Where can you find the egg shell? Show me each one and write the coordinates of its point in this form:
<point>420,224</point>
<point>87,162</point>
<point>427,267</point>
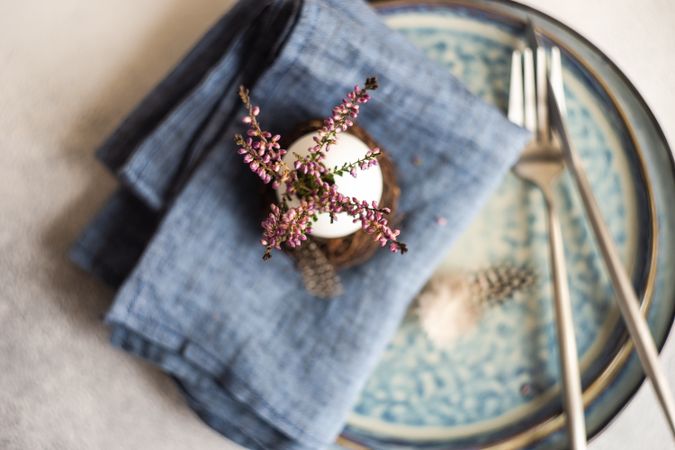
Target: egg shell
<point>367,185</point>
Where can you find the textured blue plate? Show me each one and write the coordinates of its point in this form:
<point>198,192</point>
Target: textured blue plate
<point>498,385</point>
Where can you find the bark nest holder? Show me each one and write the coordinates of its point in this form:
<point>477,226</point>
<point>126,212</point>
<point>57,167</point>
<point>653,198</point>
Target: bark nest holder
<point>358,247</point>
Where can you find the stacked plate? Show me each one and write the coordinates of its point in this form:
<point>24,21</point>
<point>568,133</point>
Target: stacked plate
<point>497,386</point>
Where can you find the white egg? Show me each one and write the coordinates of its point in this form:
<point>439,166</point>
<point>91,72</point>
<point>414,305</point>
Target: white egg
<point>367,185</point>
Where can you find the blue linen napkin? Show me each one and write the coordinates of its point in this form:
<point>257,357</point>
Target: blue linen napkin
<point>259,359</point>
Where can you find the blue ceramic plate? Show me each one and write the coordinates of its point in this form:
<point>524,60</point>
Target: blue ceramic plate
<point>498,385</point>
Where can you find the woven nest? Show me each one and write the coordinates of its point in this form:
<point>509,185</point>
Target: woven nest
<point>359,246</point>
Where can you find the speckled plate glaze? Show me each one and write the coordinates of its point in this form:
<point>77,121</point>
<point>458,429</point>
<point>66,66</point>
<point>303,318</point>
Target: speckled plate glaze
<point>497,387</point>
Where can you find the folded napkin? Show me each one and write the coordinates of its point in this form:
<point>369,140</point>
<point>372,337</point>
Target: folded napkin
<point>259,359</point>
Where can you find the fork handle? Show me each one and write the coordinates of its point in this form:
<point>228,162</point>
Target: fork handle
<point>569,362</point>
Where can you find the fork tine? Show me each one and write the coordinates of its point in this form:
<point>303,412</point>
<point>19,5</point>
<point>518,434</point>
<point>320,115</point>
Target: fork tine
<point>530,99</point>
<point>542,91</point>
<point>557,80</point>
<point>516,89</point>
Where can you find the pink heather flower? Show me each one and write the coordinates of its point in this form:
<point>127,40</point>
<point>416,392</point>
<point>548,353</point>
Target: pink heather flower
<point>310,180</point>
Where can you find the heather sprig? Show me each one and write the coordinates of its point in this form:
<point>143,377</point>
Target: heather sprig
<point>260,149</point>
<point>289,227</point>
<point>370,160</point>
<point>310,181</point>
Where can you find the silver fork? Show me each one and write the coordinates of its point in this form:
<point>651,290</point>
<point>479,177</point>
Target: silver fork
<point>541,164</point>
